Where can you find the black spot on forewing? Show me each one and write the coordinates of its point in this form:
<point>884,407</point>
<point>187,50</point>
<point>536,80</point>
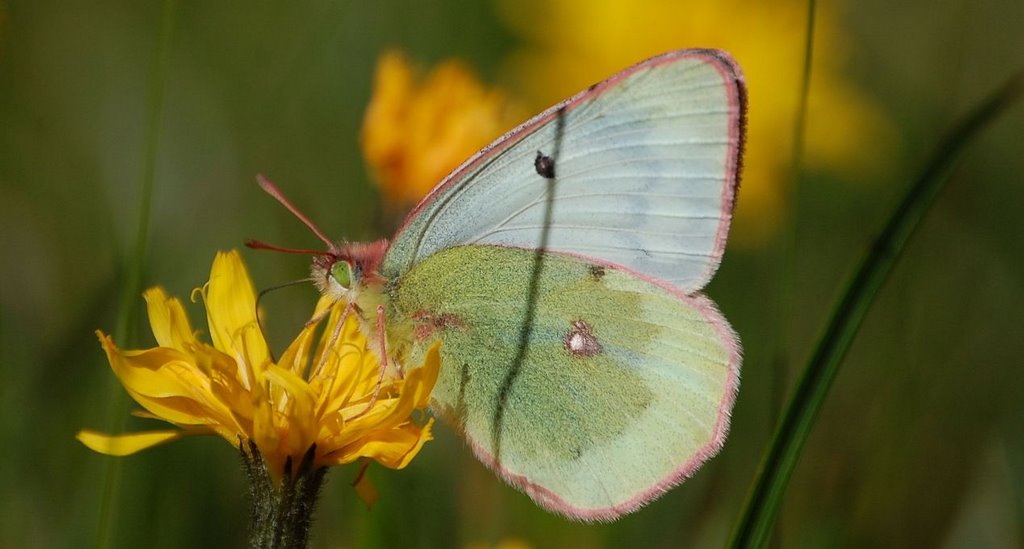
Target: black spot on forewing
<point>597,272</point>
<point>545,165</point>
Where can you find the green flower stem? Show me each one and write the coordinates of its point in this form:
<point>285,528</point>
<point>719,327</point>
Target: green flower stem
<point>131,283</point>
<point>755,524</point>
<point>281,515</point>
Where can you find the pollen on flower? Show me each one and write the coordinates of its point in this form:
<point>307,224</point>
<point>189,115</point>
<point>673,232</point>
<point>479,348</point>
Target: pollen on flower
<point>416,130</point>
<point>318,394</point>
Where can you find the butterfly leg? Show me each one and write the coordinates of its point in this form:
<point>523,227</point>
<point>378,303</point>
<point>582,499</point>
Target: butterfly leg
<point>383,354</point>
<point>320,316</point>
<point>381,333</point>
<point>334,336</point>
<point>383,362</point>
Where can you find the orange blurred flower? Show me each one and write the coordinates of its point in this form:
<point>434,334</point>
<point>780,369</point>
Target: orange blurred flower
<point>416,130</point>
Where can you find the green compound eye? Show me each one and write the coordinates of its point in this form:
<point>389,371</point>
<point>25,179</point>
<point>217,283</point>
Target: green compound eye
<point>342,273</point>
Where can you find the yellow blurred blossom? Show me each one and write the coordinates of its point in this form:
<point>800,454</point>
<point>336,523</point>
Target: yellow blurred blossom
<point>574,43</point>
<point>416,130</point>
<point>327,394</point>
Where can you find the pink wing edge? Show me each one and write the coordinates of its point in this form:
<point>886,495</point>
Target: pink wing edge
<point>733,78</point>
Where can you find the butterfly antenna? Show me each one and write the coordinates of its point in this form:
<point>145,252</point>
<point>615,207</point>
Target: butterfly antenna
<point>273,191</point>
<point>260,245</point>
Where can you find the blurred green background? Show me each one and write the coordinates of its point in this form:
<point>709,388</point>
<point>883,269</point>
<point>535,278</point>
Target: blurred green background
<point>920,443</point>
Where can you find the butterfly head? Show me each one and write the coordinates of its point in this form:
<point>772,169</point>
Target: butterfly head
<point>347,267</point>
<point>341,270</point>
<point>333,275</point>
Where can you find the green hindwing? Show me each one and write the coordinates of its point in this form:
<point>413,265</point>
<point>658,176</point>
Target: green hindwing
<point>594,395</point>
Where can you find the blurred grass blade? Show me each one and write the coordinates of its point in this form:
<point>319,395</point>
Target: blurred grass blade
<point>131,288</point>
<point>780,354</point>
<point>777,464</point>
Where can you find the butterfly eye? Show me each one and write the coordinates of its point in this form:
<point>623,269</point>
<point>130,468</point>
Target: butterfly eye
<point>342,273</point>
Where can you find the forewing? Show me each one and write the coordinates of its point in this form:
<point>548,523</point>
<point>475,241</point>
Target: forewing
<point>588,387</point>
<point>645,169</point>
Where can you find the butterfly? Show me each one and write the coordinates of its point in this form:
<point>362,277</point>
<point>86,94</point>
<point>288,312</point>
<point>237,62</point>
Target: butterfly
<point>561,268</point>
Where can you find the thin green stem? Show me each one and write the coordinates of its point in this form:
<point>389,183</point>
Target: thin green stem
<point>788,233</point>
<point>782,355</point>
<point>755,524</point>
<point>128,303</point>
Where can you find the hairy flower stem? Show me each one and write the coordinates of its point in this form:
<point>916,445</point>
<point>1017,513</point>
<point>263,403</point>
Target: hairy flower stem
<point>281,515</point>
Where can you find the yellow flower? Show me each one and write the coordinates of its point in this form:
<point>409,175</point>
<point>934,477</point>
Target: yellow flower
<point>573,43</point>
<point>416,131</point>
<point>234,388</point>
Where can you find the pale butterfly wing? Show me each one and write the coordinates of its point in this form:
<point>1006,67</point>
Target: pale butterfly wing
<point>646,167</point>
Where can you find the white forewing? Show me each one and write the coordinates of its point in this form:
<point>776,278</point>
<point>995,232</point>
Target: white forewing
<point>645,172</point>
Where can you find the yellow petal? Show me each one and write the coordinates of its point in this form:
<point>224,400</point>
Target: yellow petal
<point>158,372</point>
<point>296,389</point>
<point>225,386</point>
<point>168,320</point>
<point>392,448</point>
<point>347,377</point>
<point>295,403</point>
<point>164,382</point>
<point>128,444</point>
<point>231,313</point>
<point>425,435</point>
<point>415,394</point>
<point>426,376</point>
<point>388,412</point>
<point>296,357</point>
<point>264,429</point>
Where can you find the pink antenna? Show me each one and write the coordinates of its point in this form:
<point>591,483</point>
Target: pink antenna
<point>273,191</point>
<point>261,245</point>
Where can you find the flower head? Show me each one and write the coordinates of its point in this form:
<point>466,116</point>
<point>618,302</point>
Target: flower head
<point>417,130</point>
<point>326,392</point>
